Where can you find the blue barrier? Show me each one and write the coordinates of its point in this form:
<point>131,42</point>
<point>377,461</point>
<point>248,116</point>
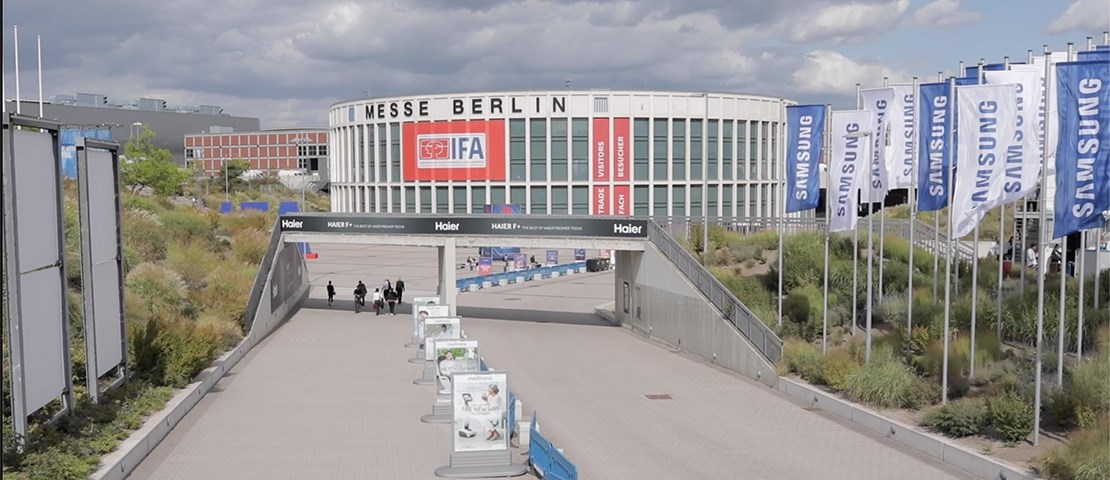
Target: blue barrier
<point>511,277</point>
<point>288,206</point>
<point>260,206</point>
<point>512,413</point>
<point>226,207</point>
<point>548,461</point>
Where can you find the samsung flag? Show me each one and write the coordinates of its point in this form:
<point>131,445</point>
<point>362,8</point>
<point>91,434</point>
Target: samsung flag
<point>850,155</point>
<point>1023,151</point>
<point>935,125</point>
<point>986,126</point>
<point>1098,54</point>
<point>1083,149</point>
<point>805,126</point>
<point>876,184</point>
<point>899,156</point>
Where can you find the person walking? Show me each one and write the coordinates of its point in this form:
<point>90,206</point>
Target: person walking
<point>400,288</point>
<point>391,299</point>
<point>331,293</point>
<point>1031,256</point>
<point>386,286</point>
<point>360,296</point>
<point>377,299</point>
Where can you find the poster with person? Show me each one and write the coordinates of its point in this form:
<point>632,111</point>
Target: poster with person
<point>552,257</point>
<point>485,266</point>
<point>418,302</point>
<point>453,356</point>
<point>480,411</point>
<point>424,312</point>
<point>440,328</point>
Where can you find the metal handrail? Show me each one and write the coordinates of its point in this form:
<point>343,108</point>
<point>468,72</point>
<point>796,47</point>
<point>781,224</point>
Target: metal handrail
<point>765,340</point>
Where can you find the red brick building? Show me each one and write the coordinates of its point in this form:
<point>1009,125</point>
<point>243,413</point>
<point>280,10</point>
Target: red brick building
<point>268,151</point>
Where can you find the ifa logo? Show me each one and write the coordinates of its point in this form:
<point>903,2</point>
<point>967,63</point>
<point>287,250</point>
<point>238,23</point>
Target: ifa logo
<point>454,150</point>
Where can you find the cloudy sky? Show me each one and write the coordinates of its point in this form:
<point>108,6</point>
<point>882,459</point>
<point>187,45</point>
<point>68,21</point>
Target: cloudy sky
<point>287,61</point>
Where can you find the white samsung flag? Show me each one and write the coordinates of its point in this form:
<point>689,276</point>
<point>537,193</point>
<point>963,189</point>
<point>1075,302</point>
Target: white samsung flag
<point>1048,126</point>
<point>877,101</point>
<point>900,152</point>
<point>986,126</point>
<point>851,150</point>
<point>1022,171</point>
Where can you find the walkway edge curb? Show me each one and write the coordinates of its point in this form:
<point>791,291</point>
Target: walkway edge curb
<point>133,450</point>
<point>929,444</point>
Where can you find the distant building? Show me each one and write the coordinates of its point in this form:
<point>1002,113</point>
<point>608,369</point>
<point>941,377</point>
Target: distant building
<point>269,151</point>
<point>170,124</point>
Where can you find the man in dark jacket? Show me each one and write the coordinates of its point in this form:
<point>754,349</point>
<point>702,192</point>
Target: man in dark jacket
<point>399,287</point>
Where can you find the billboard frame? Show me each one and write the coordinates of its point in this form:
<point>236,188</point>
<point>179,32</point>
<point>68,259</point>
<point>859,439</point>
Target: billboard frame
<point>16,348</point>
<point>88,285</point>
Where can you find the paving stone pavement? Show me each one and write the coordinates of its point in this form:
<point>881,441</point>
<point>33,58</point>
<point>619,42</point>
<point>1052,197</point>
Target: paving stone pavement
<point>329,395</point>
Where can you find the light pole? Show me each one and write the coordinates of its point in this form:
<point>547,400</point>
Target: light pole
<point>136,132</point>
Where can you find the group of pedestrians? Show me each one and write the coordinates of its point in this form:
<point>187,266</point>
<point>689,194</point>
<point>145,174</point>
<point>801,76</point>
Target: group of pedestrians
<point>388,294</point>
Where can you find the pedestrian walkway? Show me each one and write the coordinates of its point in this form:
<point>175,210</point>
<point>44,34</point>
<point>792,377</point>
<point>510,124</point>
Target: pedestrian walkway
<point>329,395</point>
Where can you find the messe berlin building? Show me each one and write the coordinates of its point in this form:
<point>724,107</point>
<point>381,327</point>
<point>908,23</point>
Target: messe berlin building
<point>577,152</point>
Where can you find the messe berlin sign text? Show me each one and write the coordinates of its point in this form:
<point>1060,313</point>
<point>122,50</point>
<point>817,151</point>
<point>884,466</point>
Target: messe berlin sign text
<point>473,225</point>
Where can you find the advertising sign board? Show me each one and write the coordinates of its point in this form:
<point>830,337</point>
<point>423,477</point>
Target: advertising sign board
<point>453,356</point>
<point>454,150</point>
<point>440,328</point>
<point>480,411</point>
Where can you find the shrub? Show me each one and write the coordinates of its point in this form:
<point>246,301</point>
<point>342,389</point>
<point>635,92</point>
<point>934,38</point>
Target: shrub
<point>838,367</point>
<point>1084,457</point>
<point>1090,383</point>
<point>961,418</point>
<point>185,351</point>
<point>803,359</point>
<point>143,234</point>
<point>766,240</point>
<point>193,260</point>
<point>161,290</point>
<point>249,220</point>
<point>1011,415</point>
<point>1061,407</point>
<point>184,226</point>
<point>885,382</point>
<point>226,291</point>
<point>250,246</point>
<point>226,330</point>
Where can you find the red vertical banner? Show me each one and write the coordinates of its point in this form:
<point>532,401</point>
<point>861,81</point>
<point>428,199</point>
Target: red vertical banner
<point>602,202</point>
<point>622,200</point>
<point>621,149</point>
<point>602,148</point>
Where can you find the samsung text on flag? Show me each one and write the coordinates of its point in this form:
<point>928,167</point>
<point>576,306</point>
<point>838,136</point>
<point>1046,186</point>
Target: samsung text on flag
<point>805,145</point>
<point>1087,145</point>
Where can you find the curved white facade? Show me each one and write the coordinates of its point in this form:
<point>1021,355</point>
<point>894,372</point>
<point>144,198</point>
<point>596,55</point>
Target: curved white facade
<point>559,152</point>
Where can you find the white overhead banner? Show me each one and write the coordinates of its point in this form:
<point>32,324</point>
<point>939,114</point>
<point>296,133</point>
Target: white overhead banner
<point>480,411</point>
<point>986,126</point>
<point>899,156</point>
<point>878,101</point>
<point>848,166</point>
<point>1023,150</point>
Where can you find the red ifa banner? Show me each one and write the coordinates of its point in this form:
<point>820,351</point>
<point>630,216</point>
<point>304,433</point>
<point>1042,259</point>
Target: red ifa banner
<point>621,147</point>
<point>602,144</point>
<point>454,150</point>
<point>602,204</point>
<point>622,200</point>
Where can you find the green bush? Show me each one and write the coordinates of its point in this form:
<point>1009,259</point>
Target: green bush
<point>1011,416</point>
<point>765,240</point>
<point>961,418</point>
<point>161,290</point>
<point>193,261</point>
<point>803,359</point>
<point>1090,383</point>
<point>144,235</point>
<point>838,368</point>
<point>1084,457</point>
<point>250,246</point>
<point>1061,407</point>
<point>185,225</point>
<point>227,288</point>
<point>185,351</point>
<point>886,382</point>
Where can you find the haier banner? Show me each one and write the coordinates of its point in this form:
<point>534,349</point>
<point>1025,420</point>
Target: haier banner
<point>848,166</point>
<point>805,125</point>
<point>622,147</point>
<point>602,142</point>
<point>985,127</point>
<point>449,225</point>
<point>935,125</point>
<point>455,150</point>
<point>1083,146</point>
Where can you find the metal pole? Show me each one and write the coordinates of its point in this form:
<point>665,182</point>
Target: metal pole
<point>828,186</point>
<point>912,197</point>
<point>855,275</point>
<point>38,43</point>
<point>881,143</point>
<point>1080,259</point>
<point>782,223</point>
<point>18,103</point>
<point>1041,271</point>
<point>948,257</point>
<point>974,304</point>
<point>870,244</point>
<point>1060,324</point>
<point>1001,257</point>
<point>936,251</point>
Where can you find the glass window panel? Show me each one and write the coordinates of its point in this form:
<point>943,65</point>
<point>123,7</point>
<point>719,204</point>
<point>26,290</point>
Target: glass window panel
<point>441,199</point>
<point>459,200</point>
<point>714,158</point>
<point>539,200</point>
<point>726,202</point>
<point>640,142</point>
<point>581,203</point>
<point>537,131</point>
<point>659,201</point>
<point>726,147</point>
<point>678,149</point>
<point>497,195</point>
<point>426,199</point>
<point>383,165</point>
<point>659,145</point>
<point>640,200</point>
<point>477,199</point>
<point>558,149</point>
<point>516,196</point>
<point>395,151</point>
<point>395,197</point>
<point>695,200</point>
<point>678,202</point>
<point>516,127</point>
<point>695,149</point>
<point>580,149</point>
<point>560,204</point>
<point>410,199</point>
<point>712,202</point>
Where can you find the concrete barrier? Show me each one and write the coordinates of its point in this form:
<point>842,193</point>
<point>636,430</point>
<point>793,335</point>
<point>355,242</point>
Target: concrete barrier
<point>935,446</point>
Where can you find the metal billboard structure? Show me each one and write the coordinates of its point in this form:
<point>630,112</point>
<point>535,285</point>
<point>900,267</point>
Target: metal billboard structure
<point>34,242</point>
<point>98,177</point>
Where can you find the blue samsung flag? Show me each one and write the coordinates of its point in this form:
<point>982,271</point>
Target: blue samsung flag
<point>970,72</point>
<point>934,124</point>
<point>1083,149</point>
<point>805,126</point>
<point>1098,55</point>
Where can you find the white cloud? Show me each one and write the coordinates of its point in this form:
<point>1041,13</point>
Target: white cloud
<point>944,13</point>
<point>828,72</point>
<point>848,22</point>
<point>1083,15</point>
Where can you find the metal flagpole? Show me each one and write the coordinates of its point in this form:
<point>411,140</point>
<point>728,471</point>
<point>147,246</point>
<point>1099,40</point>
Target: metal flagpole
<point>975,267</point>
<point>882,208</point>
<point>38,43</point>
<point>870,253</point>
<point>936,234</point>
<point>855,253</point>
<point>18,103</point>
<point>1001,250</point>
<point>1041,268</point>
<point>1063,285</point>
<point>1079,275</point>
<point>948,257</point>
<point>782,219</point>
<point>1024,207</point>
<point>912,197</point>
<point>828,188</point>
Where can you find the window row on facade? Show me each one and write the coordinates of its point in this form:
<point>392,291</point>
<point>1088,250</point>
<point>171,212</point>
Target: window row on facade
<point>558,150</point>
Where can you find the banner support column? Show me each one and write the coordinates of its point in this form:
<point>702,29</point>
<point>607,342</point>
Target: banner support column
<point>446,289</point>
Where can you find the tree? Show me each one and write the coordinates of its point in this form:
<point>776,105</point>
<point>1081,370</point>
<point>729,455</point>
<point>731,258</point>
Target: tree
<point>146,165</point>
<point>231,174</point>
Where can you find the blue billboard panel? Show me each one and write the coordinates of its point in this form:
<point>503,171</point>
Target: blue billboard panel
<point>67,140</point>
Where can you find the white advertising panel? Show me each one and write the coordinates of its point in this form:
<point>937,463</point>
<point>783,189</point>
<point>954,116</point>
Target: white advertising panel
<point>417,302</point>
<point>424,312</point>
<point>453,356</point>
<point>479,411</point>
<point>440,328</point>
